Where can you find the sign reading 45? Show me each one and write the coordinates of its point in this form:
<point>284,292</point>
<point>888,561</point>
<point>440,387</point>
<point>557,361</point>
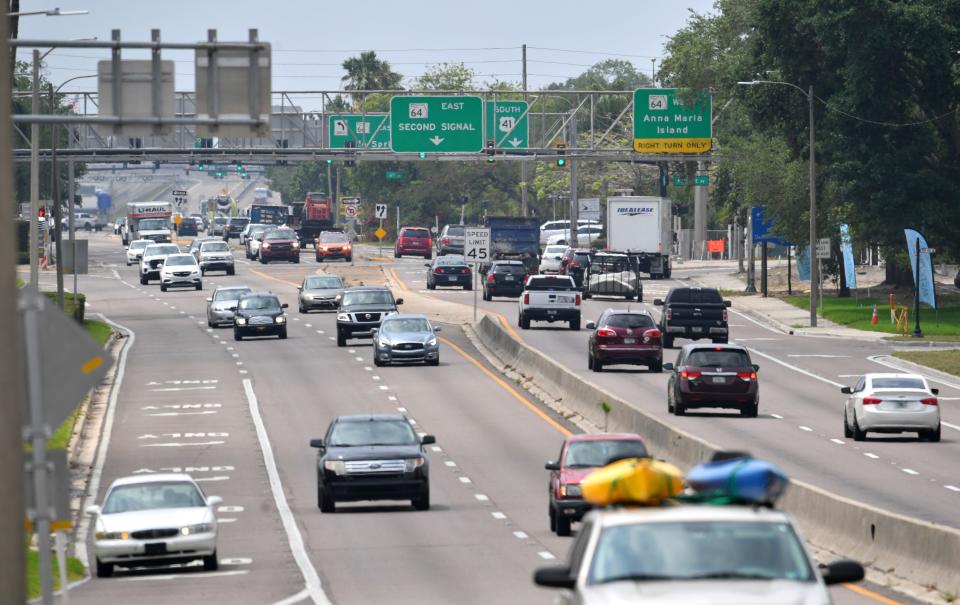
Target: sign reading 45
<point>476,245</point>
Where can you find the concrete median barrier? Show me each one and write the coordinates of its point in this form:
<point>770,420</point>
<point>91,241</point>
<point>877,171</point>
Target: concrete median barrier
<point>918,552</point>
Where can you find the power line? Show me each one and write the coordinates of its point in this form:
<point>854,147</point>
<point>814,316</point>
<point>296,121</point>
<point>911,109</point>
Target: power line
<point>591,52</point>
<point>882,123</point>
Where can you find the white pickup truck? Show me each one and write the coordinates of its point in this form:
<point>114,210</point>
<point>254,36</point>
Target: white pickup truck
<point>550,298</point>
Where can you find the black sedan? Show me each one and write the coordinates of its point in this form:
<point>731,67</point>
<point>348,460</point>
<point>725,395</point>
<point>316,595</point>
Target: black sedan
<point>449,270</point>
<point>259,314</point>
<point>372,457</point>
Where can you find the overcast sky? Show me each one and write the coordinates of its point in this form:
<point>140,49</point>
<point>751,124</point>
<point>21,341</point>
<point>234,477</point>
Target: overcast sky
<point>311,39</point>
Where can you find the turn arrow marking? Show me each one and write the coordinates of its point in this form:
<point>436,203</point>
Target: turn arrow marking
<point>436,140</point>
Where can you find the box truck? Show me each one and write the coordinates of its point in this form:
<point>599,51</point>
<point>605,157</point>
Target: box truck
<point>642,226</point>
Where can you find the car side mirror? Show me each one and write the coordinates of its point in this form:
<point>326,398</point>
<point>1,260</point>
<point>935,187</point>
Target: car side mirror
<point>755,367</point>
<point>427,265</point>
<point>209,300</point>
<point>214,500</point>
<point>846,390</point>
<point>284,306</point>
<point>92,510</point>
<point>126,247</point>
<point>318,443</point>
<point>935,391</point>
<point>234,308</point>
<point>668,366</point>
<point>399,301</point>
<point>440,329</point>
<point>842,572</point>
<point>554,577</point>
<point>427,440</point>
<point>552,466</point>
<point>591,325</point>
<point>300,288</point>
<point>727,303</point>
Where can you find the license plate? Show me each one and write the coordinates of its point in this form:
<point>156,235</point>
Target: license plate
<point>155,548</point>
<point>551,312</point>
<point>507,278</point>
<point>451,278</point>
<point>696,329</point>
<point>629,341</point>
<point>261,328</point>
<point>719,379</point>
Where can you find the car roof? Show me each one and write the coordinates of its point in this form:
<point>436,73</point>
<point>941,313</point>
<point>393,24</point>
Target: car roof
<point>688,513</point>
<point>369,417</point>
<point>152,478</point>
<point>183,254</point>
<point>891,375</point>
<point>218,288</point>
<point>713,347</point>
<point>603,437</point>
<point>507,262</point>
<point>261,293</point>
<point>396,316</point>
<point>639,311</point>
<point>366,288</point>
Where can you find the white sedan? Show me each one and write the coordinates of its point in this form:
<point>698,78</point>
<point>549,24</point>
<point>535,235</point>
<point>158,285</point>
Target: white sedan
<point>155,520</point>
<point>135,250</point>
<point>180,270</point>
<point>891,403</point>
<point>550,261</point>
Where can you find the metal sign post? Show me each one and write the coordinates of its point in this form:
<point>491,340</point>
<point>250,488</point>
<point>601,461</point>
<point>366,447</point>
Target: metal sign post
<point>823,252</point>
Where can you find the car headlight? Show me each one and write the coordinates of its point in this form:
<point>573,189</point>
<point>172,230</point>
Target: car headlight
<point>413,464</point>
<point>432,342</point>
<point>199,528</point>
<point>296,244</point>
<point>241,321</point>
<point>112,535</point>
<point>279,319</point>
<point>571,490</point>
<point>334,466</point>
<point>343,317</point>
<point>338,297</point>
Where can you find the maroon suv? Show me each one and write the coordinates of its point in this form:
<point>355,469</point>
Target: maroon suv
<point>415,241</point>
<point>713,376</point>
<point>622,336</point>
<point>580,455</point>
<point>281,244</point>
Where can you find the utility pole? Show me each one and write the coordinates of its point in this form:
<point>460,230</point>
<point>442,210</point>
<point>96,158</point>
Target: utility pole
<point>751,269</point>
<point>71,192</point>
<point>814,268</point>
<point>699,214</point>
<point>524,168</point>
<point>12,572</point>
<point>57,212</point>
<point>34,173</point>
<point>574,199</point>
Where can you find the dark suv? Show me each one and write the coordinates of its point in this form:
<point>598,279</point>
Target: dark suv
<point>713,376</point>
<point>361,311</point>
<point>259,314</point>
<point>234,226</point>
<point>372,457</point>
<point>280,244</point>
<point>450,240</point>
<point>505,278</point>
<point>574,263</point>
<point>414,240</point>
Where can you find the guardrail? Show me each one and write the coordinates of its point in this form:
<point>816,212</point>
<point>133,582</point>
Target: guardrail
<point>919,552</point>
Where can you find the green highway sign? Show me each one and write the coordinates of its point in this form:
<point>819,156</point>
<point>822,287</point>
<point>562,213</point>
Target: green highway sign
<point>702,180</point>
<point>436,124</point>
<point>367,131</point>
<point>679,181</point>
<point>663,123</point>
<point>393,175</point>
<point>505,126</point>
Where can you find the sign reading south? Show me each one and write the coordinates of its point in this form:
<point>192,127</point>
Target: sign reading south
<point>366,131</point>
<point>507,124</point>
<point>436,124</point>
<point>664,122</point>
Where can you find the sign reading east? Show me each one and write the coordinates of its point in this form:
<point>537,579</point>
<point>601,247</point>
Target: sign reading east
<point>664,122</point>
<point>436,124</point>
<point>366,131</point>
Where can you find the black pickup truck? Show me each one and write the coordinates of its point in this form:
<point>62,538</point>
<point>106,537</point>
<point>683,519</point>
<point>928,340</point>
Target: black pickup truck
<point>693,313</point>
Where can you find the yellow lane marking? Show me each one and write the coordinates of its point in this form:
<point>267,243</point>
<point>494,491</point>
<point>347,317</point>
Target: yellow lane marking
<point>566,432</point>
<point>282,281</point>
<point>399,281</point>
<point>509,328</point>
<point>381,259</point>
<point>92,364</point>
<point>879,598</point>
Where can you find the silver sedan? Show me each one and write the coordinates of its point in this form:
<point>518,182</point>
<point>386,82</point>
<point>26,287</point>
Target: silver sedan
<point>219,306</point>
<point>891,403</point>
<point>320,292</point>
<point>406,338</point>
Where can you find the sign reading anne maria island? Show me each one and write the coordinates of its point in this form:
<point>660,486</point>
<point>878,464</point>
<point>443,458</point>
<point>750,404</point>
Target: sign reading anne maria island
<point>664,123</point>
<point>436,124</point>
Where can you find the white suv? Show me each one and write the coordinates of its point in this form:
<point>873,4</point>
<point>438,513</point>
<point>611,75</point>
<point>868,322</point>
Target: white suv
<point>152,260</point>
<point>180,270</point>
<point>561,228</point>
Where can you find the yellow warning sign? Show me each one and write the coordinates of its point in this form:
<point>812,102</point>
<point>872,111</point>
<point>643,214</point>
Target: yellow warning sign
<point>380,232</point>
<point>177,219</point>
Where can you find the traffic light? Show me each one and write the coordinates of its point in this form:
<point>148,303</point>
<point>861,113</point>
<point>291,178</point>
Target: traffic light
<point>561,155</point>
<point>42,213</point>
<point>239,165</point>
<point>329,161</point>
<point>422,155</point>
<point>491,150</point>
<point>349,161</point>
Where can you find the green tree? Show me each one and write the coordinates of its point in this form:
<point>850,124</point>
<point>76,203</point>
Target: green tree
<point>368,72</point>
<point>446,76</point>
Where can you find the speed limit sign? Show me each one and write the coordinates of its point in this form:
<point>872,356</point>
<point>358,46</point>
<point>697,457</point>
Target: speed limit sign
<point>350,211</point>
<point>381,211</point>
<point>476,245</point>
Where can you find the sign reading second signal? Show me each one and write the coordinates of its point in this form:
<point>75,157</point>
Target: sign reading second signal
<point>436,124</point>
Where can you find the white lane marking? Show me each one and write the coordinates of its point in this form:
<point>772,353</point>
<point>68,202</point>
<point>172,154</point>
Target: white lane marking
<point>320,332</point>
<point>308,325</point>
<point>450,463</point>
<point>436,448</point>
<point>212,574</point>
<point>182,444</point>
<point>839,441</point>
<point>546,555</point>
<point>375,377</point>
<point>296,319</point>
<point>183,312</point>
<point>754,339</point>
<point>821,356</point>
<point>391,398</point>
<point>244,372</point>
<point>226,519</point>
<point>777,416</point>
<point>331,337</point>
<point>294,537</point>
<point>229,509</point>
<point>498,515</point>
<point>239,363</point>
<point>296,598</point>
<point>235,355</point>
<point>94,484</point>
<point>182,389</point>
<point>795,368</point>
<point>172,308</point>
<point>465,480</point>
<point>203,413</point>
<point>805,428</point>
<point>952,488</point>
<point>229,348</point>
<point>401,409</point>
<point>383,387</point>
<point>351,351</point>
<point>871,456</point>
<point>411,421</point>
<point>481,497</point>
<point>909,471</point>
<point>216,478</point>
<point>521,535</point>
<point>849,375</point>
<point>367,368</point>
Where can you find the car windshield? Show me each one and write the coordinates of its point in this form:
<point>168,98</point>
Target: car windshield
<point>720,359</point>
<point>180,260</point>
<point>230,294</point>
<point>450,259</point>
<point>279,235</point>
<point>214,247</point>
<point>368,297</point>
<point>255,231</point>
<point>259,303</point>
<point>323,282</point>
<point>418,233</point>
<point>555,250</point>
<point>897,382</point>
<point>699,550</point>
<point>139,244</point>
<point>154,224</point>
<point>550,283</point>
<point>148,496</point>
<point>630,321</point>
<point>161,250</point>
<point>220,220</point>
<point>333,238</point>
<point>602,452</point>
<point>456,230</point>
<point>511,269</point>
<point>395,326</point>
<point>239,222</point>
<point>372,432</point>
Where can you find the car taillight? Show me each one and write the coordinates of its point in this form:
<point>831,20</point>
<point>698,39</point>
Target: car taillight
<point>574,265</point>
<point>438,270</point>
<point>748,376</point>
<point>606,333</point>
<point>430,243</point>
<point>929,401</point>
<point>446,240</point>
<point>465,270</point>
<point>650,335</point>
<point>724,315</point>
<point>669,313</point>
<point>871,400</point>
<point>526,299</point>
<point>491,278</point>
<point>578,299</point>
<point>690,374</point>
<point>524,278</point>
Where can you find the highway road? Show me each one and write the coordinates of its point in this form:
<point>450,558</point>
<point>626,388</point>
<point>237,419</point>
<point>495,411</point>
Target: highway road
<point>239,416</point>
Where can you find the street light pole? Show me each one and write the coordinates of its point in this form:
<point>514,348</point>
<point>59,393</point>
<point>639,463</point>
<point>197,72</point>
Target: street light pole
<point>35,174</point>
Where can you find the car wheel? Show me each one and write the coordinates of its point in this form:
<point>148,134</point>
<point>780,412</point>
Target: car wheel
<point>657,366</point>
<point>524,322</point>
<point>231,271</point>
<point>422,502</point>
<point>163,287</point>
<point>396,254</point>
<point>319,259</point>
<point>376,360</point>
<point>468,287</point>
<point>283,333</point>
<point>104,570</point>
<point>431,286</point>
<point>296,260</point>
<point>349,258</point>
<point>326,503</point>
<point>428,256</point>
<point>341,339</point>
<point>263,261</point>
<point>932,436</point>
<point>143,280</point>
<point>589,361</point>
<point>563,526</point>
<point>301,309</point>
<point>679,409</point>
<point>434,362</point>
<point>211,562</point>
<point>485,295</point>
<point>667,342</point>
<point>750,411</point>
<point>237,336</point>
<point>858,434</point>
<point>669,399</point>
<point>597,364</point>
<point>575,324</point>
<point>203,272</point>
<point>847,432</point>
<point>553,519</point>
<point>587,294</point>
<point>200,286</point>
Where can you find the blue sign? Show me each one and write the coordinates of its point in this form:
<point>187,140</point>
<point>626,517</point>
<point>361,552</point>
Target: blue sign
<point>927,292</point>
<point>762,227</point>
<point>846,248</point>
<point>803,263</point>
<point>104,201</point>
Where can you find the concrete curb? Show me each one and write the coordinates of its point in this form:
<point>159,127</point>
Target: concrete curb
<point>913,552</point>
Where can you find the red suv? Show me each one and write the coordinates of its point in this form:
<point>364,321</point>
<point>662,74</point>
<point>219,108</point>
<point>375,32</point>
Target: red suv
<point>622,336</point>
<point>580,455</point>
<point>281,244</point>
<point>718,376</point>
<point>414,240</point>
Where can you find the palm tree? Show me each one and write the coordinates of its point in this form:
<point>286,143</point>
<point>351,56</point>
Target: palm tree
<point>367,72</point>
